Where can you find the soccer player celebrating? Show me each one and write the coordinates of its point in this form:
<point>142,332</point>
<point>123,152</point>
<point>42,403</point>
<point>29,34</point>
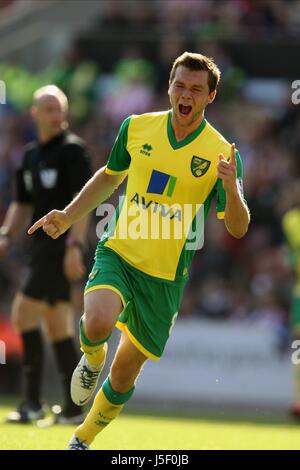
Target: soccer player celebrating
<point>174,160</point>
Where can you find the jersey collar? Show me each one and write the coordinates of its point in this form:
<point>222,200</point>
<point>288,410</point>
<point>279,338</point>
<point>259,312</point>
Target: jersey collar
<point>55,140</point>
<point>171,136</point>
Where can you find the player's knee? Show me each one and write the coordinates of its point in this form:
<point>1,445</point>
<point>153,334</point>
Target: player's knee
<point>98,324</point>
<point>24,316</point>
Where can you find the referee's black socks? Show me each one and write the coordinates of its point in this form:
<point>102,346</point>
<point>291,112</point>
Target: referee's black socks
<point>33,362</point>
<point>66,359</point>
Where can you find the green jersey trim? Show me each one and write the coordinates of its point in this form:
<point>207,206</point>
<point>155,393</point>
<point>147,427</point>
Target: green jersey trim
<point>171,136</point>
<point>119,157</point>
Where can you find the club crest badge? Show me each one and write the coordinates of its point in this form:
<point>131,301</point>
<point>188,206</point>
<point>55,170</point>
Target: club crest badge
<point>199,166</point>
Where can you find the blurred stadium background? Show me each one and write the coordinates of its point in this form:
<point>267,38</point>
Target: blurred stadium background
<point>231,346</point>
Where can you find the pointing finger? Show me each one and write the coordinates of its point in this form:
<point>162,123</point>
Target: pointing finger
<point>38,224</point>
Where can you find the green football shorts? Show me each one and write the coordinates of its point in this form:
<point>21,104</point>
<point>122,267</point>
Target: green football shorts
<point>150,306</point>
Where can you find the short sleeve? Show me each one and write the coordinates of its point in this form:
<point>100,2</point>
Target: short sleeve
<point>119,158</point>
<point>221,194</point>
<point>77,164</point>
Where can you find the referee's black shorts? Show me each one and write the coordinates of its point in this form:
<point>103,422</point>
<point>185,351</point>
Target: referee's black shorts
<point>46,280</point>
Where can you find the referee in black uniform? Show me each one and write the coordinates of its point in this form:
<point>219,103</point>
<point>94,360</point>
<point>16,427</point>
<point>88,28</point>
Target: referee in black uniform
<point>53,170</point>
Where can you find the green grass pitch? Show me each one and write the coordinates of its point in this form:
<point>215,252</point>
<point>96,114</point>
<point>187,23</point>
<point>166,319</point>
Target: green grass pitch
<point>147,432</point>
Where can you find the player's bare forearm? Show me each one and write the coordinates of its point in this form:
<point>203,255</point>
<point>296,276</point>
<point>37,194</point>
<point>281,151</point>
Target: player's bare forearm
<point>97,190</point>
<point>16,218</point>
<point>237,216</point>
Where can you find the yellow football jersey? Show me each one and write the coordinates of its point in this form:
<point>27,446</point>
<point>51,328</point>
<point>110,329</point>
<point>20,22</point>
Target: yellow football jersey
<point>160,220</point>
<point>291,229</point>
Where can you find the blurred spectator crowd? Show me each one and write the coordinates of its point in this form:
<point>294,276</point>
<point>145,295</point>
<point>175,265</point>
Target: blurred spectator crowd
<point>245,280</point>
<point>236,16</point>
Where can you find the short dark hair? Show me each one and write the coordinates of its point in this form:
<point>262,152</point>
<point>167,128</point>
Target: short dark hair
<point>194,61</point>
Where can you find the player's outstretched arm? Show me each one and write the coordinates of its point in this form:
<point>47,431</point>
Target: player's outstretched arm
<point>96,190</point>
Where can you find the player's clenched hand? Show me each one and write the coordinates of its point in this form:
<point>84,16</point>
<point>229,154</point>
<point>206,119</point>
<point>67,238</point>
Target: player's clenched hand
<point>55,223</point>
<point>227,171</point>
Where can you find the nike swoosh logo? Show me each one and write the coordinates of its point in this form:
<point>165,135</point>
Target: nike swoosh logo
<point>82,402</point>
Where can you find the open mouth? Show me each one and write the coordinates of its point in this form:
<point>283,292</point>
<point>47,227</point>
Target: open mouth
<point>185,110</point>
